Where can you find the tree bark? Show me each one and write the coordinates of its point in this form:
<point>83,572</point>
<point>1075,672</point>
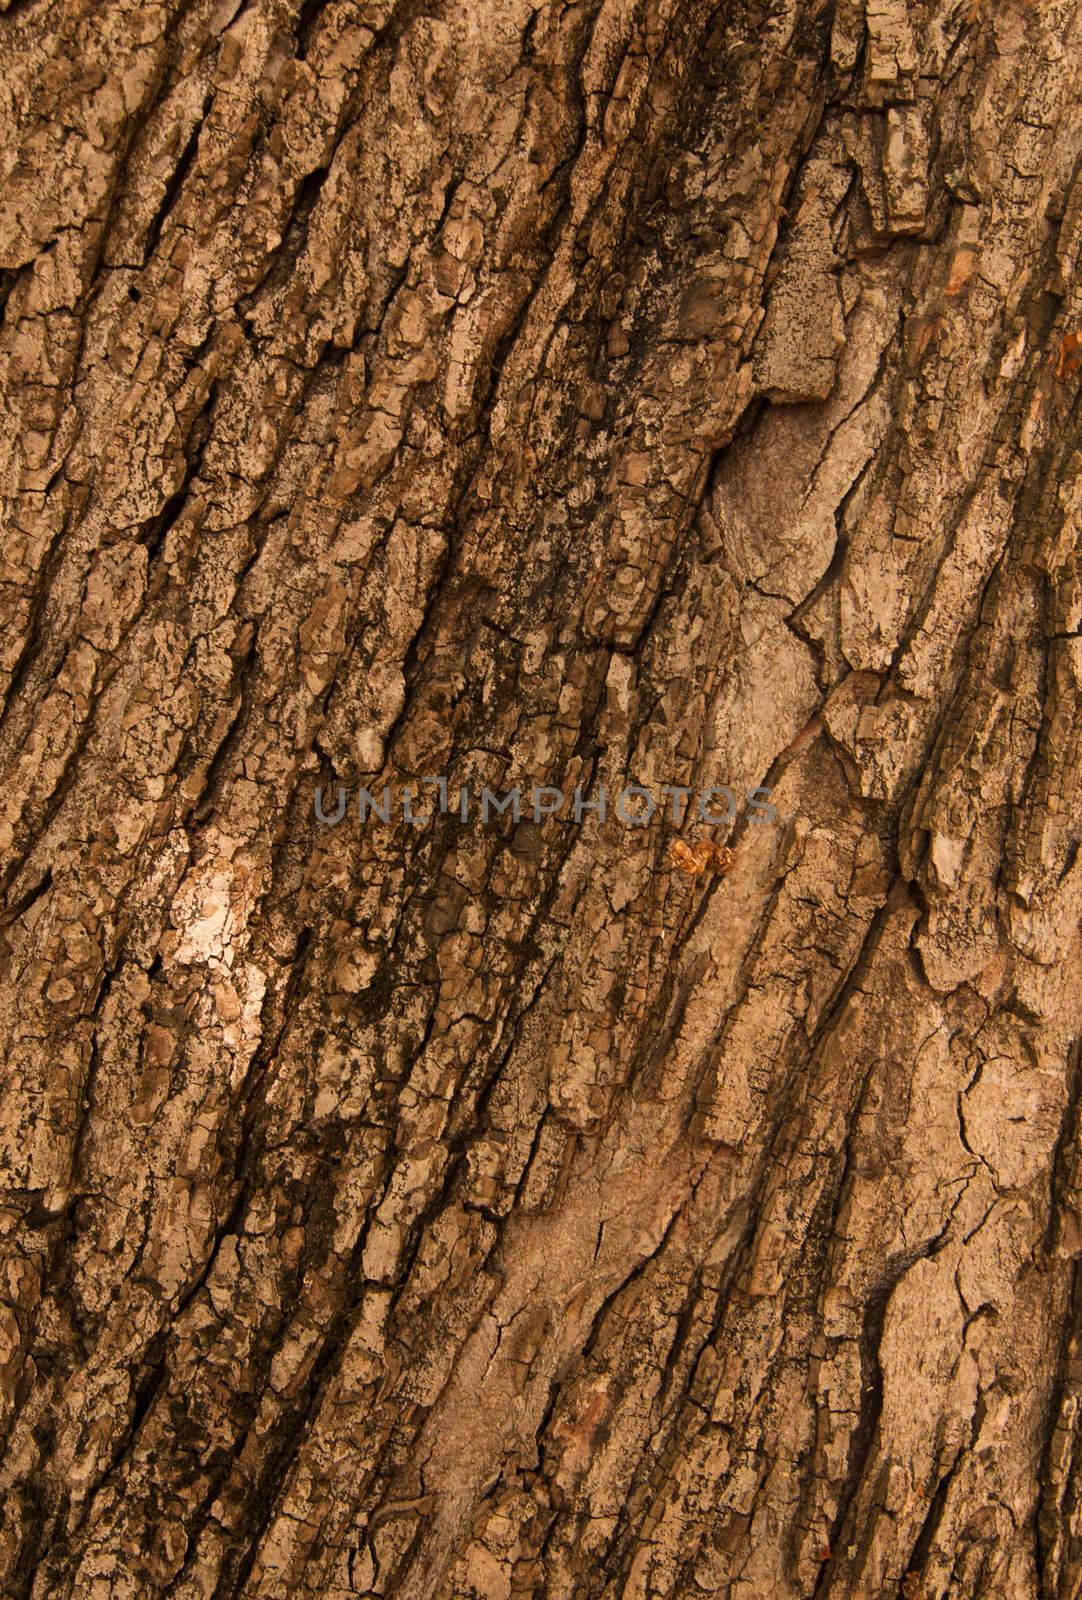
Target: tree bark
<point>623,392</point>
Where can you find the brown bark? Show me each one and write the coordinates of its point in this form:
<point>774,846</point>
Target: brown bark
<point>629,391</point>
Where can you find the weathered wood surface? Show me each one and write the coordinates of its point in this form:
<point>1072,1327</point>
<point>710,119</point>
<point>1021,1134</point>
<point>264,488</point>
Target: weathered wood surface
<point>585,394</point>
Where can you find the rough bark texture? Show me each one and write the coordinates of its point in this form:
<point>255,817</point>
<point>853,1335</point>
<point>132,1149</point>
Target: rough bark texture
<point>642,391</point>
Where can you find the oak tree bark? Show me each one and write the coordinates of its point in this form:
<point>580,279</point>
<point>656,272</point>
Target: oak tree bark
<point>615,392</point>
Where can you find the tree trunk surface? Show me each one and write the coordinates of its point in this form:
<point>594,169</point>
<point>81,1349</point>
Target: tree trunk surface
<point>565,397</point>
